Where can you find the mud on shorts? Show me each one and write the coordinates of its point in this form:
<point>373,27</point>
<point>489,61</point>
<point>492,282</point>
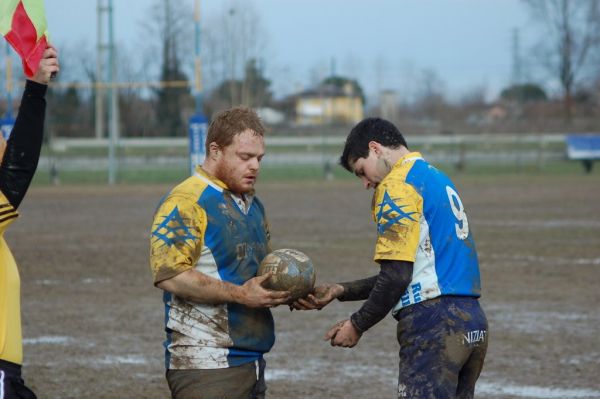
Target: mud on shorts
<point>443,342</point>
<point>11,383</point>
<point>241,382</point>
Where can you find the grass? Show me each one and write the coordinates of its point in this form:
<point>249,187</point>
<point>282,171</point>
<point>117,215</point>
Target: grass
<point>312,148</point>
<point>145,176</point>
<point>549,168</point>
<point>307,173</point>
<point>43,177</point>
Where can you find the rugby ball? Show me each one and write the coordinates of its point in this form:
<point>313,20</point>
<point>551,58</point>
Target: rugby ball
<point>292,271</point>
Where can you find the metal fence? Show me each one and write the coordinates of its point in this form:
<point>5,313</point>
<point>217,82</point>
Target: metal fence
<point>532,151</point>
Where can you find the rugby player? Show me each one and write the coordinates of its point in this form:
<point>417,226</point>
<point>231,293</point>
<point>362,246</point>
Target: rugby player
<point>208,238</point>
<point>428,268</point>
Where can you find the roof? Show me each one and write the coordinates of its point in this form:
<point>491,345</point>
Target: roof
<point>327,90</point>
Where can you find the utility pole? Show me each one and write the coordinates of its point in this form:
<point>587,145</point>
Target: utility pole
<point>198,59</point>
<point>517,72</point>
<point>113,111</point>
<point>517,67</point>
<point>197,124</point>
<point>101,10</point>
<point>232,58</point>
<point>106,49</point>
<point>336,92</point>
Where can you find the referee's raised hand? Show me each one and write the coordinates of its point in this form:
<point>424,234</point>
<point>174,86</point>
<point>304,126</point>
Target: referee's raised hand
<point>49,66</point>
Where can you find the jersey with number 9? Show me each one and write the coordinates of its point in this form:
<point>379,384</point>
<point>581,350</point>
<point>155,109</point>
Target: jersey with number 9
<point>421,218</point>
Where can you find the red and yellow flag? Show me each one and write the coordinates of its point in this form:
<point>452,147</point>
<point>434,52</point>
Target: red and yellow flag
<point>23,24</point>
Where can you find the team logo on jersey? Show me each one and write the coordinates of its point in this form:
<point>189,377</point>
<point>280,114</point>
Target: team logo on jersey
<point>173,229</point>
<point>474,337</point>
<point>391,213</point>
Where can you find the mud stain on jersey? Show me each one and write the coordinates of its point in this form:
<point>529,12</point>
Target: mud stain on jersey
<point>169,270</point>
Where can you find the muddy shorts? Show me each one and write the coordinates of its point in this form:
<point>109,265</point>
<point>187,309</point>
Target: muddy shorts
<point>443,342</point>
<point>242,382</point>
<point>11,383</point>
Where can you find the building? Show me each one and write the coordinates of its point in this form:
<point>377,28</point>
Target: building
<point>329,104</point>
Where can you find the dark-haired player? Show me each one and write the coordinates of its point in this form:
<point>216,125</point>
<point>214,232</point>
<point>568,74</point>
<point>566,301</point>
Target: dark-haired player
<point>429,271</point>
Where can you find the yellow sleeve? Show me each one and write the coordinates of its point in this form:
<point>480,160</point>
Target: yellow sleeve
<point>177,237</point>
<point>7,213</point>
<point>397,210</point>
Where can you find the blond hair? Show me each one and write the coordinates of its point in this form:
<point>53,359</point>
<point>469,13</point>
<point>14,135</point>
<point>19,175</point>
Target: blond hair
<point>231,122</point>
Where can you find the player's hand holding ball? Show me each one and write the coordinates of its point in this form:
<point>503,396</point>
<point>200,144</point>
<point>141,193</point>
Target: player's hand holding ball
<point>255,295</point>
<point>290,270</point>
<point>320,297</point>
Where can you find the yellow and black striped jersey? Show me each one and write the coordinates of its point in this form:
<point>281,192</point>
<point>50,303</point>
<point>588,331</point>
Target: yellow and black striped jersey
<point>10,310</point>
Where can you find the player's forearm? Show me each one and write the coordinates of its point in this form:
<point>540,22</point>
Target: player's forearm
<point>23,148</point>
<point>392,281</point>
<point>198,287</point>
<point>357,290</point>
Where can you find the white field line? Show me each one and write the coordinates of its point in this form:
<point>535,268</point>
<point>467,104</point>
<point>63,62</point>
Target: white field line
<point>490,388</point>
<point>544,259</point>
<point>48,340</point>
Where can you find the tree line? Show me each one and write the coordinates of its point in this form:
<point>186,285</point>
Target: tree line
<point>235,72</point>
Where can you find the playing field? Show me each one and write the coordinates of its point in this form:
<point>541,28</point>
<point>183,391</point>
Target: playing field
<point>93,323</point>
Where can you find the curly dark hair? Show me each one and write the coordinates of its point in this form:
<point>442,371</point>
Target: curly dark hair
<point>370,129</point>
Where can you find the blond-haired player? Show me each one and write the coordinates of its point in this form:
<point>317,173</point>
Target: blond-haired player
<point>209,235</point>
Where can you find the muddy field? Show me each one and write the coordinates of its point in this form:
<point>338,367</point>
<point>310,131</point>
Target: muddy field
<point>93,323</point>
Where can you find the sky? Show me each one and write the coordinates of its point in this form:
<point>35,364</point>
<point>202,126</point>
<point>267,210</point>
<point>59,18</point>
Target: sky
<point>385,44</point>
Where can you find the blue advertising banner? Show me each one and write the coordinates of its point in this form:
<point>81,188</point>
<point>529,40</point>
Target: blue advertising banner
<point>6,125</point>
<point>583,146</point>
<point>198,125</point>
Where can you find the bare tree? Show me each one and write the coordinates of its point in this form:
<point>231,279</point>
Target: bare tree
<point>430,100</point>
<point>171,22</point>
<point>231,41</point>
<point>572,35</point>
<point>474,97</point>
<point>138,111</point>
<point>317,73</point>
<point>352,66</point>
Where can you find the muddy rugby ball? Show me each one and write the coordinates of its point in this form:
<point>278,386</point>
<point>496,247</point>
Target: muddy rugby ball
<point>292,271</point>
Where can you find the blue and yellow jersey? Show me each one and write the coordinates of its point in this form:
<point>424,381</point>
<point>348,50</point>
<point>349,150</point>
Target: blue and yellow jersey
<point>11,346</point>
<point>421,218</point>
<point>203,226</point>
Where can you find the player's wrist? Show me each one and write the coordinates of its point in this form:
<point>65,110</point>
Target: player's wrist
<point>35,89</point>
<point>235,293</point>
<point>355,323</point>
<point>239,294</point>
<point>344,291</point>
<point>338,290</point>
